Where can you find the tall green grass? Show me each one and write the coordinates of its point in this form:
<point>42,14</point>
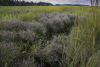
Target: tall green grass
<point>83,45</point>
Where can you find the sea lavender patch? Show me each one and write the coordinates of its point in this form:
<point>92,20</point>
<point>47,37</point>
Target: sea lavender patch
<point>8,51</point>
<point>13,24</point>
<point>49,54</point>
<point>25,62</point>
<point>57,22</point>
<point>8,35</point>
<point>38,28</point>
<point>28,35</point>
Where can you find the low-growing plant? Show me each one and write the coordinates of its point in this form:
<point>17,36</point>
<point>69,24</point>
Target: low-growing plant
<point>23,61</point>
<point>56,23</point>
<point>8,35</point>
<point>13,25</point>
<point>27,35</point>
<point>8,52</point>
<point>38,28</point>
<point>48,54</point>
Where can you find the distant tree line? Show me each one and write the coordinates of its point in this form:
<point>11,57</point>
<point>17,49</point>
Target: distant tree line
<point>22,3</point>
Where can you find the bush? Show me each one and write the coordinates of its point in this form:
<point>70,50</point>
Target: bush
<point>13,25</point>
<point>23,61</point>
<point>8,35</point>
<point>57,22</point>
<point>8,52</point>
<point>38,28</point>
<point>21,35</point>
<point>17,25</point>
<point>27,35</point>
<point>49,55</point>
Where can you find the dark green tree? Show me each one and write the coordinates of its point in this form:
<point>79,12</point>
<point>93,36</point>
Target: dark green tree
<point>22,3</point>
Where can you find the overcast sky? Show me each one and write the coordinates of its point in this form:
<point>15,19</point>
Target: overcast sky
<point>85,2</point>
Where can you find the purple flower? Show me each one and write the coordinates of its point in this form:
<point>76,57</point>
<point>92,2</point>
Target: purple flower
<point>8,51</point>
<point>8,35</point>
<point>27,35</point>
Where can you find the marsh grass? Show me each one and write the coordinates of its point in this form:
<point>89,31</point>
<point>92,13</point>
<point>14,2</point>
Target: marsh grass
<point>28,13</point>
<point>81,48</point>
<point>84,41</point>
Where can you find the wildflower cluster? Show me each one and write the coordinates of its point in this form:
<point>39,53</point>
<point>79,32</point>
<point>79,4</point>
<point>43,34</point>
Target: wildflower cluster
<point>23,62</point>
<point>50,54</point>
<point>13,24</point>
<point>30,34</point>
<point>38,28</point>
<point>27,35</point>
<point>8,35</point>
<point>57,22</point>
<point>8,52</point>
